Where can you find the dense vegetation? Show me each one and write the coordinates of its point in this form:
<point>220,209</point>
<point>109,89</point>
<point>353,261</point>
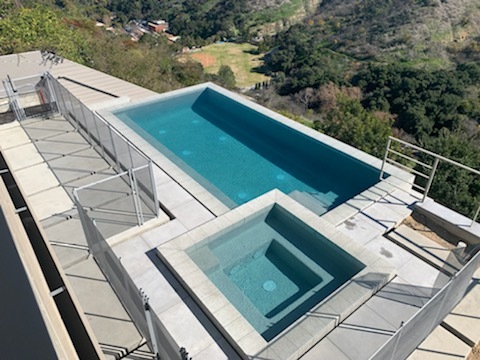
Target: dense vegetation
<point>358,71</point>
<point>201,22</point>
<point>363,101</point>
<point>149,63</point>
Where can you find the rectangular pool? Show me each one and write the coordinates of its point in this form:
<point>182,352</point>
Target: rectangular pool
<point>274,268</point>
<point>272,276</point>
<point>238,153</point>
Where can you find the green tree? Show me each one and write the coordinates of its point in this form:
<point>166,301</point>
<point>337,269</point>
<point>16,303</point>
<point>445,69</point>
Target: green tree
<point>226,77</point>
<point>40,28</point>
<point>351,123</point>
<point>452,186</point>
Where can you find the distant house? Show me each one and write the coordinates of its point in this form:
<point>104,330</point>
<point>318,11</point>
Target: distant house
<point>171,38</point>
<point>157,26</point>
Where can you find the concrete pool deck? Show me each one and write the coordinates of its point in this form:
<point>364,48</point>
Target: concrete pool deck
<point>362,219</point>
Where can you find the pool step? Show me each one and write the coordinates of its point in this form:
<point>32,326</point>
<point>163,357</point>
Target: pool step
<point>309,201</point>
<point>431,252</point>
<point>326,198</point>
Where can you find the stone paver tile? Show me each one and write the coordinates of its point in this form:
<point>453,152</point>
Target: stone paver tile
<point>50,202</point>
<point>69,232</point>
<point>37,178</point>
<point>172,195</point>
<point>13,136</point>
<point>440,345</point>
<point>192,214</point>
<point>325,349</point>
<point>356,342</point>
<point>108,318</point>
<point>185,327</point>
<point>465,316</point>
<point>361,228</point>
<point>161,234</point>
<point>389,251</point>
<point>22,156</point>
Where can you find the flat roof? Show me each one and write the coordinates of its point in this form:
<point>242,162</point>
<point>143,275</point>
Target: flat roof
<point>88,85</point>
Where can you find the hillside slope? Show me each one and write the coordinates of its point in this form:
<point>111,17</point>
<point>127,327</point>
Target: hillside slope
<point>417,30</point>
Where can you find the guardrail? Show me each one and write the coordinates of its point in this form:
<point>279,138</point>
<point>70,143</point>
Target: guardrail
<point>112,145</point>
<point>135,302</point>
<point>429,171</point>
<point>412,333</point>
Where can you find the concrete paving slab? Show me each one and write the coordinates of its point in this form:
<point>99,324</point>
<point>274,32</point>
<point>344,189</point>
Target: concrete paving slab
<point>96,197</point>
<point>93,178</point>
<point>37,178</point>
<point>440,345</point>
<point>124,206</point>
<point>161,234</point>
<point>108,318</point>
<point>172,195</point>
<point>53,124</point>
<point>325,349</point>
<point>43,134</point>
<point>50,202</point>
<point>195,337</point>
<point>59,217</point>
<point>215,352</point>
<point>23,156</point>
<point>389,251</point>
<point>396,303</point>
<point>78,165</point>
<point>465,317</point>
<point>361,228</point>
<point>109,226</point>
<point>400,201</point>
<point>13,136</point>
<point>68,231</point>
<point>62,144</point>
<point>383,214</point>
<point>132,254</point>
<point>368,319</point>
<point>418,273</point>
<point>358,343</point>
<point>160,176</point>
<point>87,160</point>
<point>162,290</point>
<point>426,249</point>
<point>69,256</point>
<point>192,214</point>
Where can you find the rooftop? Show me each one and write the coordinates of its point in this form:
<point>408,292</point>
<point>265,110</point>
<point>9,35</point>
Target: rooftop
<point>50,156</point>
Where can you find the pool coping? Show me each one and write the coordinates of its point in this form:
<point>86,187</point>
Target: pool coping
<point>400,179</point>
<point>310,328</point>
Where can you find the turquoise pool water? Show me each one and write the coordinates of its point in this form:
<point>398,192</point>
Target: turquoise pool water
<point>274,269</point>
<point>238,153</point>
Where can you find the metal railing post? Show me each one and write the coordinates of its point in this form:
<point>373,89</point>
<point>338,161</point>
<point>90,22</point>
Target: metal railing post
<point>135,197</point>
<point>98,134</point>
<point>130,156</point>
<point>475,216</point>
<point>91,141</point>
<point>385,157</point>
<point>151,328</point>
<point>430,178</point>
<point>77,121</point>
<point>119,169</point>
<point>154,189</point>
<point>52,93</point>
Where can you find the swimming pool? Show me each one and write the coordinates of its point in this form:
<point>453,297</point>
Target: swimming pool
<point>272,276</point>
<point>238,153</point>
<point>273,269</point>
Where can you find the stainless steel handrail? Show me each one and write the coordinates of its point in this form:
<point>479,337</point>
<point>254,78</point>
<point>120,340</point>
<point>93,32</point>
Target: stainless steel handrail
<point>433,168</point>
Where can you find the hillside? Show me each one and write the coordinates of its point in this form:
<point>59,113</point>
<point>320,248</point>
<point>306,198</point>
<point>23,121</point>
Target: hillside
<point>429,31</point>
<point>210,20</point>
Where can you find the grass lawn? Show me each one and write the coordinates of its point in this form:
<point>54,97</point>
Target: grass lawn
<point>238,56</point>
